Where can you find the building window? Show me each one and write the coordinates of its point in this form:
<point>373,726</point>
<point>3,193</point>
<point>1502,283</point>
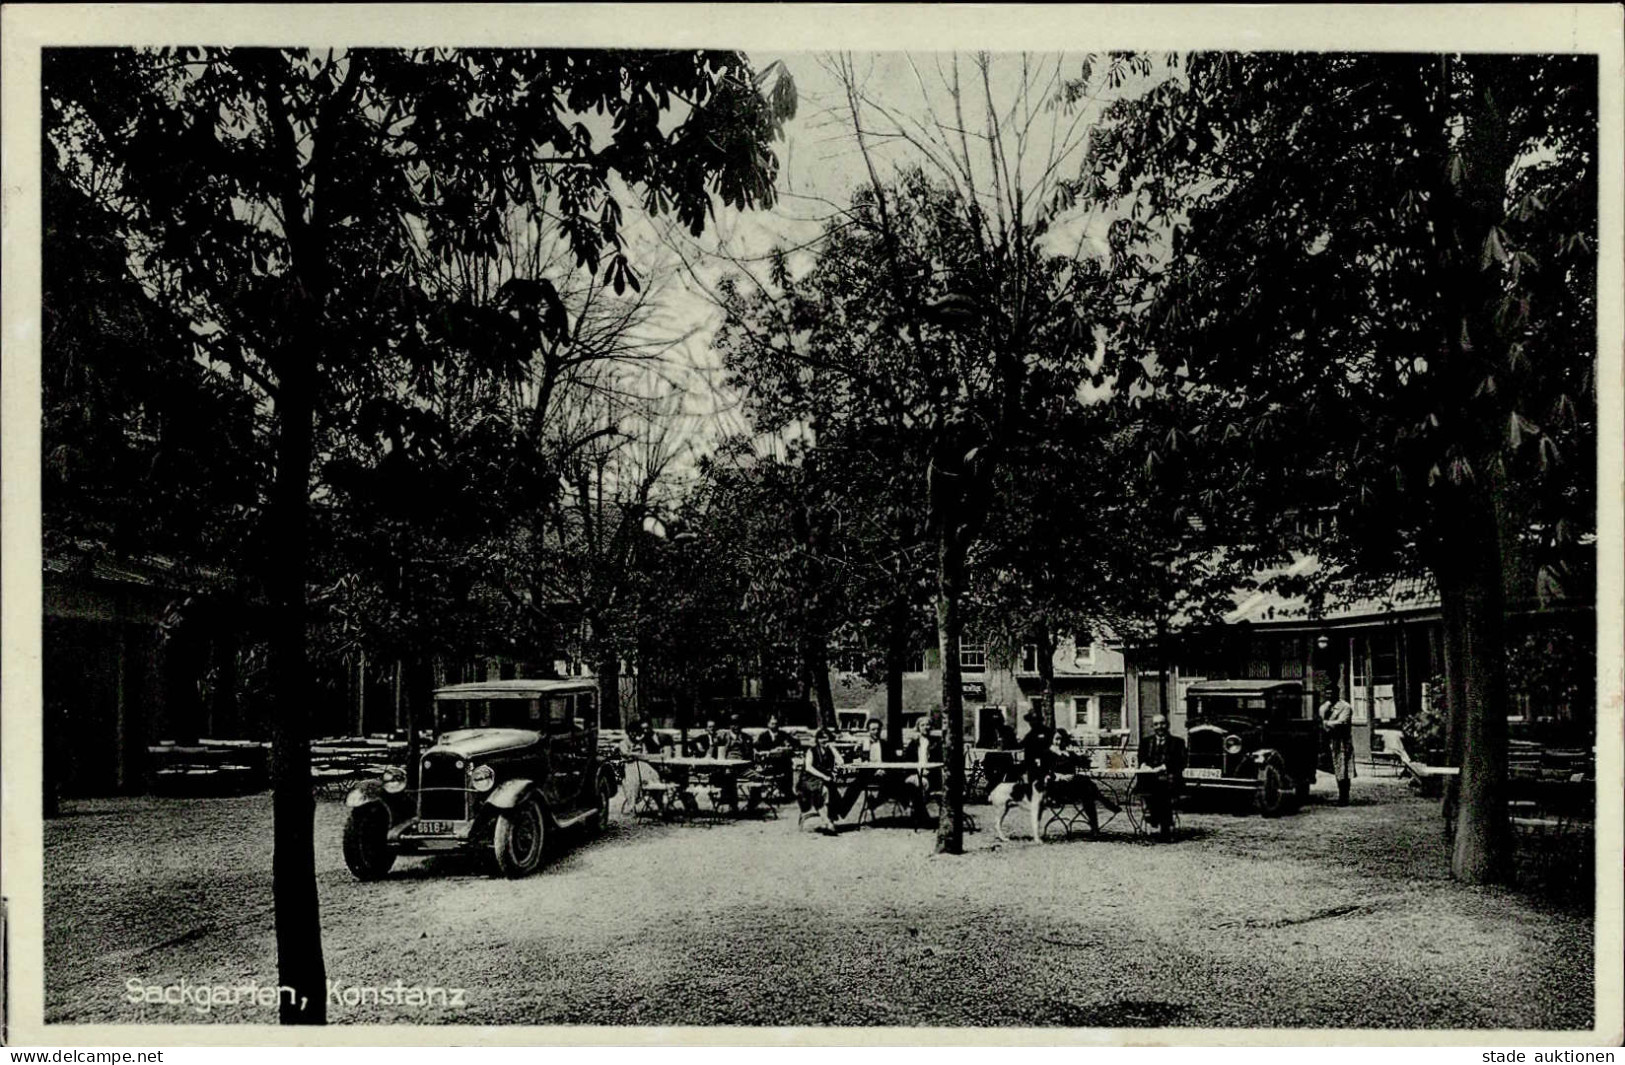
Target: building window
<point>1111,712</point>
<point>972,656</point>
<point>1080,713</point>
<point>1291,658</point>
<point>1029,658</point>
<point>1359,680</point>
<point>915,663</point>
<point>1083,651</point>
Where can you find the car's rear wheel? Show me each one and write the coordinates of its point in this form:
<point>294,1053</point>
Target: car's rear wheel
<point>366,842</point>
<point>1270,795</point>
<point>518,839</point>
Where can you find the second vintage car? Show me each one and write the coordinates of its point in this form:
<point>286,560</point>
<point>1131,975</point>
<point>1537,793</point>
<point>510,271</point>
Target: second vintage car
<point>513,761</point>
<point>1251,736</point>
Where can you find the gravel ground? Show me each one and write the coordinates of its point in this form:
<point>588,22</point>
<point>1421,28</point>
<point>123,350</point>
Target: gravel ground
<point>1330,917</point>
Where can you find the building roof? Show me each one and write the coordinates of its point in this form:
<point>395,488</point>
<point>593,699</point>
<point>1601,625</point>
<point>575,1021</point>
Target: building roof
<point>1264,606</point>
<point>148,571</point>
<point>513,689</point>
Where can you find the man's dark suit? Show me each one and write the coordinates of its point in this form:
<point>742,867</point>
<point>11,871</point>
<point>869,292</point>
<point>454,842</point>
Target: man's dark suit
<point>1165,752</point>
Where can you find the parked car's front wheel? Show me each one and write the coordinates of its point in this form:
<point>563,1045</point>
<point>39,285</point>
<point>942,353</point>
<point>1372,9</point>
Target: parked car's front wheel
<point>518,838</point>
<point>606,797</point>
<point>366,842</point>
<point>1271,796</point>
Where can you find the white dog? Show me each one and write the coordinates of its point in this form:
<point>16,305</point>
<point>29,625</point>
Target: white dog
<point>1012,794</point>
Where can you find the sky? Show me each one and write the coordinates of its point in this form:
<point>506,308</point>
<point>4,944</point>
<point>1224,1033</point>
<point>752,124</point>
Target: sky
<point>903,96</point>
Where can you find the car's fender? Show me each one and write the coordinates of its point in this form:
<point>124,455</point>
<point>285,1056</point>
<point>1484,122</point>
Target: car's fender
<point>372,791</point>
<point>1269,756</point>
<point>365,792</point>
<point>510,793</point>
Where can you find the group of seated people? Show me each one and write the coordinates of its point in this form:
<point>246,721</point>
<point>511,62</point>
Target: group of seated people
<point>826,790</point>
<point>1052,766</point>
<point>830,784</point>
<point>772,750</point>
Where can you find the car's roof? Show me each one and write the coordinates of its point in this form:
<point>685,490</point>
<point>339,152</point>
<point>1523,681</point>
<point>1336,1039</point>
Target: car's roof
<point>515,689</point>
<point>1242,687</point>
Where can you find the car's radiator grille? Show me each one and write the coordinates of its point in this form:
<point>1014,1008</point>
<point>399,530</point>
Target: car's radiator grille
<point>1205,748</point>
<point>441,796</point>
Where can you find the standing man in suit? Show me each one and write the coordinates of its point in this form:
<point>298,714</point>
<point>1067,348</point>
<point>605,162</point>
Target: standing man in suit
<point>1165,753</point>
<point>1337,717</point>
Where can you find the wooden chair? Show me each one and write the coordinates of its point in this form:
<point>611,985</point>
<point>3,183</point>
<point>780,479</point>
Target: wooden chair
<point>646,793</point>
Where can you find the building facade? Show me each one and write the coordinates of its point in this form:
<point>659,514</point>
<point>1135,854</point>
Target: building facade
<point>1386,652</point>
<point>1088,690</point>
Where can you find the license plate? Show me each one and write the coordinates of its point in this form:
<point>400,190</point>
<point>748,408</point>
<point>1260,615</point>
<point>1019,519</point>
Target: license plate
<point>437,828</point>
<point>1205,774</point>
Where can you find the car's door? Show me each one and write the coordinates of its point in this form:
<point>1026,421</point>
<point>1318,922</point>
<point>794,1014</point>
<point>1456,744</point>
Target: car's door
<point>563,778</point>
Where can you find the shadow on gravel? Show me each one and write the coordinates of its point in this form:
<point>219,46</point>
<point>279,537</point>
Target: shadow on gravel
<point>1129,1013</point>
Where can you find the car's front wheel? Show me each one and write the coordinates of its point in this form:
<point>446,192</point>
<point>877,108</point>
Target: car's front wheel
<point>366,842</point>
<point>518,838</point>
<point>1270,795</point>
<point>606,797</point>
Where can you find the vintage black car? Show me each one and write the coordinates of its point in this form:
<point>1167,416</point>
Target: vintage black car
<point>513,761</point>
<point>1251,736</point>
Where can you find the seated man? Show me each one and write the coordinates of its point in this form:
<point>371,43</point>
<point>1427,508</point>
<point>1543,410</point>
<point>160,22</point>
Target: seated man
<point>890,786</point>
<point>713,742</point>
<point>737,743</point>
<point>717,743</point>
<point>774,753</point>
<point>1166,754</point>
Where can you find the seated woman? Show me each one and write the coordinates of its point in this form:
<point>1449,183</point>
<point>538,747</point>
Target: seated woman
<point>817,791</point>
<point>1067,786</point>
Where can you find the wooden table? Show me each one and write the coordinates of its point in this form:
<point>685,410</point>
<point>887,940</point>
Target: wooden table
<point>725,793</point>
<point>856,771</point>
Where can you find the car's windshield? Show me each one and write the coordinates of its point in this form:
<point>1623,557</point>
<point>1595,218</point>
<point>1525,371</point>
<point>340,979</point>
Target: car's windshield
<point>1228,706</point>
<point>563,712</point>
<point>452,714</point>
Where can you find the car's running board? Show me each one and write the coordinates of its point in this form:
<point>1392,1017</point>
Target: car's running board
<point>575,819</point>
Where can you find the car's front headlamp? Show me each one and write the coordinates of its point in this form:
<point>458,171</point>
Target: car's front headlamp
<point>394,780</point>
<point>482,778</point>
<point>1232,744</point>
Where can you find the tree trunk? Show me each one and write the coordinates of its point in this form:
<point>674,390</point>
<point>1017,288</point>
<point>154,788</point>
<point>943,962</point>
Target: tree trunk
<point>1453,627</point>
<point>950,585</point>
<point>897,652</point>
<point>1165,666</point>
<point>1045,652</point>
<point>226,711</point>
<point>815,660</point>
<point>1483,844</point>
<point>419,710</point>
<point>293,862</point>
<point>609,691</point>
